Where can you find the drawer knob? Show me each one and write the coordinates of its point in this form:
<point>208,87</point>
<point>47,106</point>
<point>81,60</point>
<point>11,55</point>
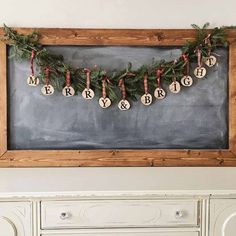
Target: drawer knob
<point>179,214</point>
<point>65,215</point>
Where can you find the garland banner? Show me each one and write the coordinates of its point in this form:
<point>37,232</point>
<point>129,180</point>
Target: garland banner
<point>122,86</point>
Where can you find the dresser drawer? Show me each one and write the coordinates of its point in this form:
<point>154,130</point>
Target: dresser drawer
<point>118,213</point>
<point>130,233</point>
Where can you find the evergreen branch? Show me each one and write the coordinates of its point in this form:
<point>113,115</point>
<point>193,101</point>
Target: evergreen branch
<point>22,46</point>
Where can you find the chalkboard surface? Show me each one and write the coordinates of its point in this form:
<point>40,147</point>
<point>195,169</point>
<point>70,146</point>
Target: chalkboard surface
<point>196,118</point>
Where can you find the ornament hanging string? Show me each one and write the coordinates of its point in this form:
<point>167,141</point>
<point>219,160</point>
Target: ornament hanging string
<point>199,58</point>
<point>145,83</point>
<point>207,42</point>
<point>174,77</point>
<point>105,80</point>
<point>186,60</point>
<point>159,72</point>
<point>33,54</point>
<point>47,71</point>
<point>88,77</point>
<point>122,88</point>
<point>104,94</point>
<point>68,80</point>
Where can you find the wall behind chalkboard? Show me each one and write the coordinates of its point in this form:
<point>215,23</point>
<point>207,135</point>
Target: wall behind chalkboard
<point>196,118</point>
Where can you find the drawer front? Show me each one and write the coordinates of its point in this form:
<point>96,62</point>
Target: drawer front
<point>15,219</point>
<point>118,213</point>
<point>131,233</point>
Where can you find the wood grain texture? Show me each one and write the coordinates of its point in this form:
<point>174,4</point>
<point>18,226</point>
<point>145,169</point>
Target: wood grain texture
<point>232,97</point>
<point>72,158</point>
<point>148,37</point>
<point>69,158</point>
<point>3,99</point>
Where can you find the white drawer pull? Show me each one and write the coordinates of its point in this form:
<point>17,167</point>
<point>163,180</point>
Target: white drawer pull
<point>65,215</point>
<point>179,214</point>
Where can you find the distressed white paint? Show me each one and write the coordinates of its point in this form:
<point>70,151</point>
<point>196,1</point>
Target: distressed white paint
<point>131,233</point>
<point>223,217</point>
<point>119,213</point>
<point>107,213</point>
<point>7,228</point>
<point>15,219</point>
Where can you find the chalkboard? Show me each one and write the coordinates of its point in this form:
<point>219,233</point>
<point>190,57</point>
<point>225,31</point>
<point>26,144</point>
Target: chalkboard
<point>196,118</point>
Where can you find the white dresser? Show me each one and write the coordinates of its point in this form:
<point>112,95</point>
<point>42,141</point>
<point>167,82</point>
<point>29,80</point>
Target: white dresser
<point>117,213</point>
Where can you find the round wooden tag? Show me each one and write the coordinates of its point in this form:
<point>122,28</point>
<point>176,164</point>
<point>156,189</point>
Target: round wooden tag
<point>200,72</point>
<point>210,61</point>
<point>47,90</point>
<point>88,93</point>
<point>68,91</point>
<point>32,80</point>
<point>159,93</point>
<point>175,87</point>
<point>146,99</point>
<point>187,81</point>
<point>104,102</point>
<point>124,105</point>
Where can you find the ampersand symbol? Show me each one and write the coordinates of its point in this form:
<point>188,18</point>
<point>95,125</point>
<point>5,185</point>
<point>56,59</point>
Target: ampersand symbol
<point>124,105</point>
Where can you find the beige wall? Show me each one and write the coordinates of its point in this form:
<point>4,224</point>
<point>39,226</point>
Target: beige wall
<point>116,14</point>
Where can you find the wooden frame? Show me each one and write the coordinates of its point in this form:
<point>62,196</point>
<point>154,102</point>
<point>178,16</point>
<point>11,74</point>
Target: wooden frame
<point>74,158</point>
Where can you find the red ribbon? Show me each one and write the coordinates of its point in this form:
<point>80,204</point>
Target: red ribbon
<point>104,83</point>
<point>105,80</point>
<point>47,71</point>
<point>68,81</point>
<point>145,83</point>
<point>33,53</point>
<point>207,42</point>
<point>186,60</point>
<point>159,72</point>
<point>122,88</point>
<point>199,57</point>
<point>88,78</point>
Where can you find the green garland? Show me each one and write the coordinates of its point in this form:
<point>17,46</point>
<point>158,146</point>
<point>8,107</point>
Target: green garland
<point>22,46</point>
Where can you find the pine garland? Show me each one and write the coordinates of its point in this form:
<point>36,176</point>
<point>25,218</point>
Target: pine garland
<point>23,45</point>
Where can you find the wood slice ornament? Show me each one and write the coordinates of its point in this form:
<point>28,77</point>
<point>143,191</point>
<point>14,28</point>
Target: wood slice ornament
<point>175,87</point>
<point>88,93</point>
<point>104,101</point>
<point>146,99</point>
<point>159,92</point>
<point>32,80</point>
<point>123,104</point>
<point>47,89</point>
<point>200,71</point>
<point>210,61</point>
<point>186,81</point>
<point>68,91</point>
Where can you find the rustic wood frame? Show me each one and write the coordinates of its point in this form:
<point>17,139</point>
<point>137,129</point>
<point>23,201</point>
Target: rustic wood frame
<point>75,158</point>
